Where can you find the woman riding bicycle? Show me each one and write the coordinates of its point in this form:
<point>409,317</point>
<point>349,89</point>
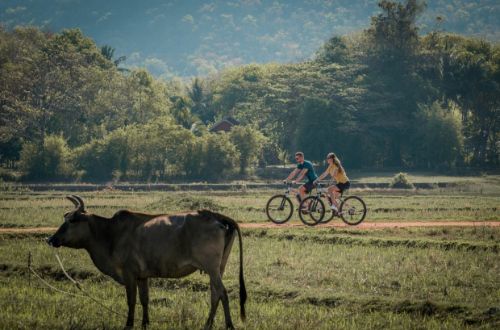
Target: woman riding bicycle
<point>336,171</point>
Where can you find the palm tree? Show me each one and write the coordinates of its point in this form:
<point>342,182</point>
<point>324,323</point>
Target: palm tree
<point>109,52</point>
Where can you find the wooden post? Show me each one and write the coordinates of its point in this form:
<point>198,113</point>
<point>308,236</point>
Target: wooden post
<point>29,268</point>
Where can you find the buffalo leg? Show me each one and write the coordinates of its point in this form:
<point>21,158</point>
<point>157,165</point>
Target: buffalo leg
<point>227,251</point>
<point>144,297</point>
<point>214,303</point>
<point>131,287</point>
<point>218,292</point>
<point>225,304</point>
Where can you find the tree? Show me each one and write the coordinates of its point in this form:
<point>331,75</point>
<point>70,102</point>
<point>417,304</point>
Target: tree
<point>466,73</point>
<point>180,111</point>
<point>249,143</point>
<point>109,53</point>
<point>393,33</point>
<point>200,101</point>
<point>439,139</point>
<point>333,51</point>
<point>395,88</point>
<point>324,127</point>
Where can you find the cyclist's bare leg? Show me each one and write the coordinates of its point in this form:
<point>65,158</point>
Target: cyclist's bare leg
<point>302,192</point>
<point>297,196</point>
<point>334,193</point>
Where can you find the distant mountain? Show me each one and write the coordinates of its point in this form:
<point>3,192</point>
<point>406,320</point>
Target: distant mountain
<point>188,37</point>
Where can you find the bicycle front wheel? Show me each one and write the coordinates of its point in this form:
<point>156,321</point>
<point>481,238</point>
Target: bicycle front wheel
<point>329,215</point>
<point>352,210</point>
<point>279,209</point>
<point>311,210</point>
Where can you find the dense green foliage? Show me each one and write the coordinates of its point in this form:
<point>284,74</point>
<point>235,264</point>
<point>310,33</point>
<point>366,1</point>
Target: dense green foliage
<point>386,97</point>
<point>61,92</point>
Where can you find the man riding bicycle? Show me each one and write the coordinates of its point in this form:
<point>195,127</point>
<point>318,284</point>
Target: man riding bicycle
<point>304,168</point>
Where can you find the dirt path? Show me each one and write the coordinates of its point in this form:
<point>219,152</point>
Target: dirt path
<point>380,225</point>
<point>336,224</point>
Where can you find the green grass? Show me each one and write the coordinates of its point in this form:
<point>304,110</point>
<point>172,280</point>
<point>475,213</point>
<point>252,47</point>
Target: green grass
<point>307,278</point>
<point>422,177</point>
<point>29,209</point>
<point>292,282</point>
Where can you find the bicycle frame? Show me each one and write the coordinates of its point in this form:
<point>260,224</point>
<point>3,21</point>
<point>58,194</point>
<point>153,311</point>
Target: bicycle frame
<point>320,192</point>
<point>325,193</point>
<point>289,190</point>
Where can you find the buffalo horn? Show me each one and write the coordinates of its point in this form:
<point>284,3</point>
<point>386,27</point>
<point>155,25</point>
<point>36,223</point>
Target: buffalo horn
<point>74,201</point>
<point>80,202</point>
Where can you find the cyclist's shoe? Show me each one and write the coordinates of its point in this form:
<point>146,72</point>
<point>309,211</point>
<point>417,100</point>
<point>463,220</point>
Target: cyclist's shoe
<point>333,208</point>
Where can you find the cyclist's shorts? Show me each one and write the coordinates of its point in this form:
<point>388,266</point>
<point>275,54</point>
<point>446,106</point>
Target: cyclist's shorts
<point>343,186</point>
<point>309,185</point>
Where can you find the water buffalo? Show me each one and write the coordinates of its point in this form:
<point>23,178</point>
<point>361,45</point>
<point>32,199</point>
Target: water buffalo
<point>132,247</point>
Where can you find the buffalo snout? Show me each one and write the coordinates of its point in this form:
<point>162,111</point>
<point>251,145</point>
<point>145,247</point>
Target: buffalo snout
<point>54,241</point>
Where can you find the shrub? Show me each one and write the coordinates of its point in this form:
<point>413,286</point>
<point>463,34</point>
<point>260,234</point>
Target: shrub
<point>51,160</point>
<point>8,175</point>
<point>401,181</point>
<point>220,156</point>
<point>99,158</point>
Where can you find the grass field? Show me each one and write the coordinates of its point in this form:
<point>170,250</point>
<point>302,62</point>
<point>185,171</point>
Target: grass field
<point>297,278</point>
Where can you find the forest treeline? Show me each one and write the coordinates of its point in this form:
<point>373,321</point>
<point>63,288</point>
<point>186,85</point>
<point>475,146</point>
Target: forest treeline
<point>384,97</point>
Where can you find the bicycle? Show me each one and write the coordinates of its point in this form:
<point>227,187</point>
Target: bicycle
<point>313,207</point>
<point>279,209</point>
<point>352,209</point>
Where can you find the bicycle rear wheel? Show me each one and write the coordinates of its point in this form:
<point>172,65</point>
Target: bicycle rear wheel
<point>311,210</point>
<point>353,210</point>
<point>279,209</point>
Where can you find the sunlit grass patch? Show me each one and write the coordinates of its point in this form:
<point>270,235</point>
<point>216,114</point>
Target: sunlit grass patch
<point>347,285</point>
<point>319,278</point>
